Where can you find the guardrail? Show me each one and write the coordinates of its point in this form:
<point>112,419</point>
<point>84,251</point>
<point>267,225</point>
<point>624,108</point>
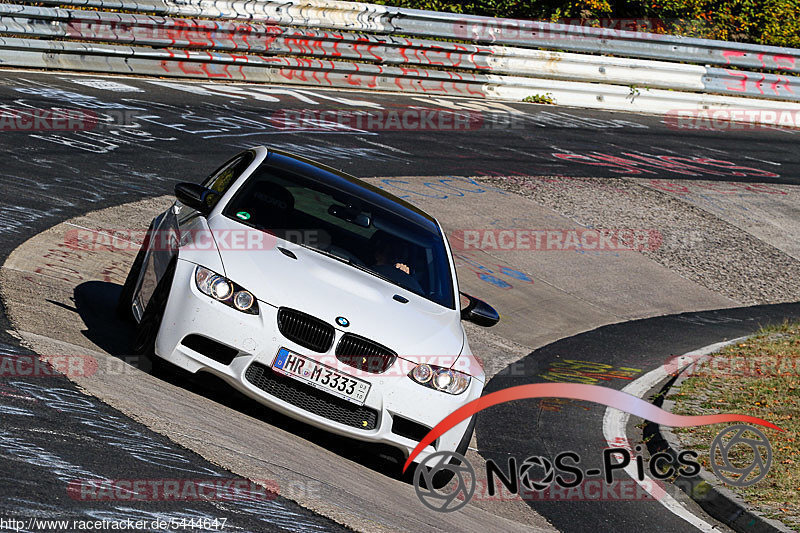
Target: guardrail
<point>69,55</point>
<point>254,42</point>
<point>223,66</point>
<point>352,16</point>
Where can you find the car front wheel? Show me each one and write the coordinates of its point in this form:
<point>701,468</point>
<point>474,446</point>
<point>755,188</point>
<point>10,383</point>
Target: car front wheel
<point>147,330</point>
<point>126,296</point>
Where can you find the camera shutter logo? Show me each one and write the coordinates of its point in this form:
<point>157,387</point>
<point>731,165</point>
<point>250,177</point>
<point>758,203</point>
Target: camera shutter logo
<point>531,483</point>
<point>732,474</point>
<point>456,493</point>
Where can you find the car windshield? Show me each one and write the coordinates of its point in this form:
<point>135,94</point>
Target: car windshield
<point>347,227</point>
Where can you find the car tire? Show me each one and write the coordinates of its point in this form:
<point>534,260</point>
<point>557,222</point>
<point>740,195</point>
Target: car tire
<point>147,331</point>
<point>125,301</point>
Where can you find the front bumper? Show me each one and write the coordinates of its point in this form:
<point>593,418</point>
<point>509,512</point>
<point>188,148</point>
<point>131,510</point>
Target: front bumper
<point>393,396</point>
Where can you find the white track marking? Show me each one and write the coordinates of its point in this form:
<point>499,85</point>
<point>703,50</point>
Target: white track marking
<point>615,421</point>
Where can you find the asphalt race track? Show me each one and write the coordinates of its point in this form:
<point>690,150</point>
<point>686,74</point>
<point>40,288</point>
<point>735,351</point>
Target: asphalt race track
<point>623,310</point>
<point>578,426</point>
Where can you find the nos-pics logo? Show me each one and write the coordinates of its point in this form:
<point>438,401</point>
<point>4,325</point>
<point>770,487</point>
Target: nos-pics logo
<point>445,481</point>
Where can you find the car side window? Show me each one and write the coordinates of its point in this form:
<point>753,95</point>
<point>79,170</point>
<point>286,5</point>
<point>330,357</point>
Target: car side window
<point>222,178</point>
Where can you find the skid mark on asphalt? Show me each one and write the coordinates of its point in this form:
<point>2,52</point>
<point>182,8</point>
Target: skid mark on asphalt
<point>641,163</point>
<point>114,431</point>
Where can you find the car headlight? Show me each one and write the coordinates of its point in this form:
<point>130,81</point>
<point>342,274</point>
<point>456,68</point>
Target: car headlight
<point>224,290</point>
<point>440,378</point>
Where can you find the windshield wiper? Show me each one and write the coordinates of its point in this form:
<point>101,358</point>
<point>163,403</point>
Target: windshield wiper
<point>327,253</point>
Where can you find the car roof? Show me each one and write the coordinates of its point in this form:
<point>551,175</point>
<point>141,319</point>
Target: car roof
<point>337,179</point>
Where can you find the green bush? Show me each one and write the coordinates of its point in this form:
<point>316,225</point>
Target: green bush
<point>773,22</point>
<point>543,9</point>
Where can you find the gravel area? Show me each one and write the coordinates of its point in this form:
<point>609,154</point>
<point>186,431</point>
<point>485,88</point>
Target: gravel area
<point>694,243</point>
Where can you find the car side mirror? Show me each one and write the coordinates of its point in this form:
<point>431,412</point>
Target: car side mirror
<point>479,312</point>
<point>195,196</point>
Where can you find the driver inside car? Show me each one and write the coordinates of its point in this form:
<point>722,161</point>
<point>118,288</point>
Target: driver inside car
<point>390,257</point>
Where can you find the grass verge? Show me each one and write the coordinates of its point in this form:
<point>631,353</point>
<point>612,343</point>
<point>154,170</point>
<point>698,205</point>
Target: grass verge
<point>758,377</point>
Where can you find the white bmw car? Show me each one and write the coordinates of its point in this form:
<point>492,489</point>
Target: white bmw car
<point>314,293</point>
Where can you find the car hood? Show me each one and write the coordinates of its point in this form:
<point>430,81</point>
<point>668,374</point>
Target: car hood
<point>327,288</point>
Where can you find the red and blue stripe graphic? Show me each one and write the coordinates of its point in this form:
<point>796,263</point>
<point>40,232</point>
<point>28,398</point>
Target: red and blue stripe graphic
<point>573,391</point>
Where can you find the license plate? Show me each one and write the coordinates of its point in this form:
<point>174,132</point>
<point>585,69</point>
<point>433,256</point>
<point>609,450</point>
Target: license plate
<point>321,376</point>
